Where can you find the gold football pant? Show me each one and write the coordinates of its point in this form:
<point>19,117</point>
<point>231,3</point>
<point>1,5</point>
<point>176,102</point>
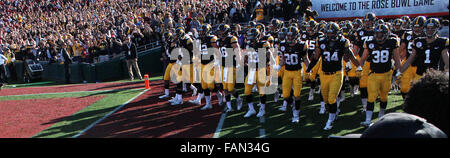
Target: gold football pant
<point>292,79</point>
<point>229,78</point>
<point>364,75</point>
<point>379,84</point>
<point>259,78</point>
<point>330,85</point>
<point>207,76</point>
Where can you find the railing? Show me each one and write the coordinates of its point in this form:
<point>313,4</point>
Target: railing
<point>148,46</point>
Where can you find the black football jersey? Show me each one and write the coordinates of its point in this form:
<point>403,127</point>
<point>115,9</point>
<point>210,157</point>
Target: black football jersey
<point>311,40</point>
<point>168,47</point>
<point>253,57</point>
<point>429,54</point>
<point>408,38</point>
<point>293,55</point>
<point>223,45</point>
<point>332,53</point>
<point>187,43</point>
<point>362,35</point>
<point>205,43</point>
<point>380,55</point>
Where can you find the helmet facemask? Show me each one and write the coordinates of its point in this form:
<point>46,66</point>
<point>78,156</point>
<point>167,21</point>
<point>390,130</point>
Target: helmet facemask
<point>418,30</point>
<point>431,30</point>
<point>290,38</point>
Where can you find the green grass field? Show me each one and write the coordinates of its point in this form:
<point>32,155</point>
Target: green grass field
<point>277,124</point>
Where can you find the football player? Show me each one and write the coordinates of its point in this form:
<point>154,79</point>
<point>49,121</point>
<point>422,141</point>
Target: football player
<point>350,68</point>
<point>361,35</point>
<point>332,48</point>
<point>229,71</point>
<point>256,75</point>
<point>168,46</point>
<point>398,27</point>
<point>380,50</point>
<point>207,40</point>
<point>357,24</point>
<point>310,37</point>
<point>281,47</point>
<point>185,75</point>
<point>428,50</point>
<point>295,52</point>
<point>406,50</point>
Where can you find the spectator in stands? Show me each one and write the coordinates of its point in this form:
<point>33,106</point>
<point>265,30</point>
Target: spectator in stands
<point>3,75</point>
<point>443,31</point>
<point>428,98</point>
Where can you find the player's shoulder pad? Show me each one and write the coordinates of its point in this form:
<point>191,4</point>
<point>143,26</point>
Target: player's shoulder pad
<point>345,41</point>
<point>446,41</point>
<point>233,39</point>
<point>212,38</point>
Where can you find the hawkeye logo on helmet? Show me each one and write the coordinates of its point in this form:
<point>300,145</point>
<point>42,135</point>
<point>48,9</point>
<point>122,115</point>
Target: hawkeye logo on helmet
<point>322,46</point>
<point>371,46</point>
<point>361,33</point>
<point>408,38</point>
<point>419,44</point>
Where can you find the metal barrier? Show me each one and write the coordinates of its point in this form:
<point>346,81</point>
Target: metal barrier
<point>148,46</point>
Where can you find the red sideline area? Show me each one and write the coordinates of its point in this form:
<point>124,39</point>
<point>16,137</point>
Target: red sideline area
<point>150,117</point>
<point>72,88</point>
<point>25,118</point>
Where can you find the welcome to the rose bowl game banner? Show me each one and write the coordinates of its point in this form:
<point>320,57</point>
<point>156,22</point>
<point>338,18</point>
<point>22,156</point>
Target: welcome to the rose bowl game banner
<point>343,9</point>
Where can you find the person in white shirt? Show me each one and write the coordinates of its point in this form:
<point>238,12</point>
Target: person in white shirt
<point>3,61</point>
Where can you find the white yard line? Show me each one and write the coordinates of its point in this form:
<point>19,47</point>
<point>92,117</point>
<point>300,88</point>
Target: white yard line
<point>220,125</point>
<point>112,90</point>
<point>107,115</point>
<point>262,131</point>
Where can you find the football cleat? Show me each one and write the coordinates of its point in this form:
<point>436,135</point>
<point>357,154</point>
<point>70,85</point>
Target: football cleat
<point>283,107</point>
<point>365,124</point>
<point>206,107</point>
<point>197,102</point>
<point>173,99</point>
<point>276,96</point>
<point>261,112</point>
<point>177,102</point>
<point>250,113</point>
<point>239,103</point>
<point>311,95</point>
<point>164,96</point>
<point>322,110</point>
<point>295,118</point>
<point>220,98</point>
<point>229,110</point>
<point>328,126</point>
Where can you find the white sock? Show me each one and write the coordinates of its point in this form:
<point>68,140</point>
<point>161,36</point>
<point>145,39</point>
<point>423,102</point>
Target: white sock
<point>331,117</point>
<point>369,116</point>
<point>263,106</point>
<point>192,87</point>
<point>166,91</point>
<point>208,100</point>
<point>250,107</point>
<point>229,105</point>
<point>381,113</point>
<point>364,102</point>
<point>338,103</point>
<point>342,94</point>
<point>322,104</point>
<point>199,97</point>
